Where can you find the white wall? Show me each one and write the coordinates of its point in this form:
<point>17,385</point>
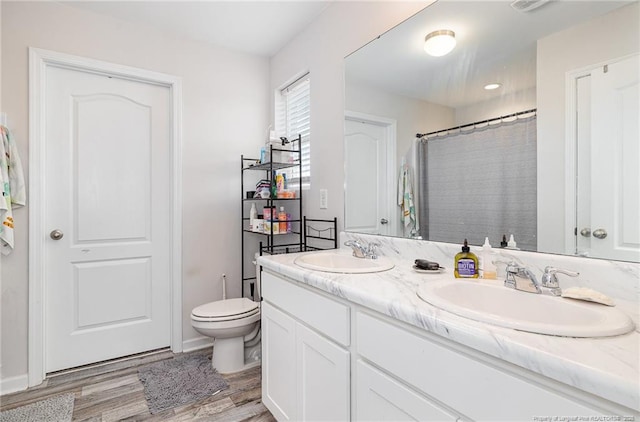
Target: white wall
<point>320,49</point>
<point>611,36</point>
<point>225,114</point>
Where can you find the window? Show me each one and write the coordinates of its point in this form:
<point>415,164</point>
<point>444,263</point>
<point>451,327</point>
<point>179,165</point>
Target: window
<point>293,119</point>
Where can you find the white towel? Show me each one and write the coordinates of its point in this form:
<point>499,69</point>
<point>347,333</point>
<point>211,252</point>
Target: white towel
<point>408,216</point>
<point>12,186</point>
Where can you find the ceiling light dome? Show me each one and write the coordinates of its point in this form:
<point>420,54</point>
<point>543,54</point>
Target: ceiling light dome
<point>492,86</point>
<point>441,42</point>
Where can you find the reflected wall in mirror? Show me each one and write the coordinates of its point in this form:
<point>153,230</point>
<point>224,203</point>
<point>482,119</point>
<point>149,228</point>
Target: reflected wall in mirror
<point>559,172</point>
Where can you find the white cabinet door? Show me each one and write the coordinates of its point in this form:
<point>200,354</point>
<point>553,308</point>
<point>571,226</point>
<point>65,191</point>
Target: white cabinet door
<point>278,363</point>
<point>382,398</point>
<point>323,378</point>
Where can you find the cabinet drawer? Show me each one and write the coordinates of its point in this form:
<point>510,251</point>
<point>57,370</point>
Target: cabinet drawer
<point>380,397</point>
<point>327,316</point>
<point>448,376</point>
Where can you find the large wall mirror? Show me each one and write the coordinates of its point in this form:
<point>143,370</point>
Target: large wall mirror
<point>550,155</point>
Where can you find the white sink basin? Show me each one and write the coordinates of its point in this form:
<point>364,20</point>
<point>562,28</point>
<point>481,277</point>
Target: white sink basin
<point>342,262</point>
<point>505,307</point>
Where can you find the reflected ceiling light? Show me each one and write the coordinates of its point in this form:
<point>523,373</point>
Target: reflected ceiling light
<point>441,42</point>
<point>489,87</point>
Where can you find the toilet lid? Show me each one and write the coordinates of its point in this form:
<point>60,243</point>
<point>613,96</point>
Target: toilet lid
<point>226,308</point>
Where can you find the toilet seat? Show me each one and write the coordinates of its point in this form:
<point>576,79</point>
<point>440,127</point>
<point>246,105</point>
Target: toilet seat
<point>225,310</point>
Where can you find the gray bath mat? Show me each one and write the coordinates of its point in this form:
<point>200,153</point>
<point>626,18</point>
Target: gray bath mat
<point>174,382</point>
<point>58,408</point>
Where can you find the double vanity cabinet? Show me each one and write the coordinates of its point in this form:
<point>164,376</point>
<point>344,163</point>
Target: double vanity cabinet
<point>327,358</point>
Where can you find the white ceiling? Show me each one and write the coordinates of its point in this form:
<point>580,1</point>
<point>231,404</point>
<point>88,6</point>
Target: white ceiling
<point>254,27</point>
<point>495,43</point>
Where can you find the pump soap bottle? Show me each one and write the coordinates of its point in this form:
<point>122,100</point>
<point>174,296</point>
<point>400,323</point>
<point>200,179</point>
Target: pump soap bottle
<point>466,263</point>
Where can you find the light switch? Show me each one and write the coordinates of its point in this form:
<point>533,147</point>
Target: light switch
<point>324,199</point>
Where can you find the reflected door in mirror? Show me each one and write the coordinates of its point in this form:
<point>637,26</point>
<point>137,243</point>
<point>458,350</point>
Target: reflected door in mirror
<point>366,187</point>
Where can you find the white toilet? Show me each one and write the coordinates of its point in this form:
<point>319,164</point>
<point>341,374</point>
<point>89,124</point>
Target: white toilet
<point>230,322</point>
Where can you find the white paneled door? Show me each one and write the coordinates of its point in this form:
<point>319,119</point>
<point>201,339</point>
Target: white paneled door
<point>107,217</point>
<point>615,149</point>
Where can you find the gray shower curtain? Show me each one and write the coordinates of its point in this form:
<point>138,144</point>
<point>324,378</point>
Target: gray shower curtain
<point>480,183</point>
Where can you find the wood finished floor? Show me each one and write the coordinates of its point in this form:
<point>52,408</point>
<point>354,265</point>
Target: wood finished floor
<point>113,392</point>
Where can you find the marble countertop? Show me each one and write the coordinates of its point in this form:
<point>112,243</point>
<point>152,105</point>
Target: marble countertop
<point>607,367</point>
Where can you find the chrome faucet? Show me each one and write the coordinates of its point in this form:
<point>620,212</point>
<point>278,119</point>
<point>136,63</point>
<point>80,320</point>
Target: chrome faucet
<point>550,280</point>
<point>361,251</point>
<point>358,249</point>
<point>521,278</point>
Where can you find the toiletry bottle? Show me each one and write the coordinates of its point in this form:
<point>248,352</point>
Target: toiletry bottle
<point>274,187</point>
<point>288,223</point>
<point>466,263</point>
<point>488,269</point>
<point>279,185</point>
<point>503,244</point>
<point>253,214</point>
<point>282,217</point>
<point>511,244</point>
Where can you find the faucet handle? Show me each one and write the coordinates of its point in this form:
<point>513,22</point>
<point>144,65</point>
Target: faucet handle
<point>511,266</point>
<point>371,250</point>
<point>549,278</point>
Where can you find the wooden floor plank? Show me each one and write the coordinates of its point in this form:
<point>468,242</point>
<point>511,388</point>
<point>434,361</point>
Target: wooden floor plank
<point>110,384</point>
<point>126,407</point>
<point>88,400</point>
<point>236,414</point>
<point>246,396</point>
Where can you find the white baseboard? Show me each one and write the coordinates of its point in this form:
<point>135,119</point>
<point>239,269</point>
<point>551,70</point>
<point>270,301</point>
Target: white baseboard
<point>13,384</point>
<point>196,344</point>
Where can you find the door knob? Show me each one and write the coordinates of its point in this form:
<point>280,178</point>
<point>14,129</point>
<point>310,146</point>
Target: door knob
<point>600,233</point>
<point>383,221</point>
<point>56,234</point>
<point>586,232</point>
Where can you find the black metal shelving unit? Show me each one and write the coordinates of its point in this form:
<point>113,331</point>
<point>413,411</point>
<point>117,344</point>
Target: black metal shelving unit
<point>271,243</point>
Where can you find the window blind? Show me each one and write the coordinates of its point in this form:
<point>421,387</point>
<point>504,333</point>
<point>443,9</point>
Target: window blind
<point>297,121</point>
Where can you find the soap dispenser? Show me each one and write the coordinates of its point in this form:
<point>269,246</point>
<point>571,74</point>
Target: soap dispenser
<point>466,263</point>
<point>488,269</point>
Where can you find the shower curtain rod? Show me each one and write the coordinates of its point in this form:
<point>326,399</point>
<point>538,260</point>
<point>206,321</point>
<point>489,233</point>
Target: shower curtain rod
<point>422,135</point>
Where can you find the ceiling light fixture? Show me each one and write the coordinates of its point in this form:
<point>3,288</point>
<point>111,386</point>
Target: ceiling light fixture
<point>441,42</point>
<point>489,87</point>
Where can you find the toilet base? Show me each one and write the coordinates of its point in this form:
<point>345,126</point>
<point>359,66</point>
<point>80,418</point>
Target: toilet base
<point>228,355</point>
